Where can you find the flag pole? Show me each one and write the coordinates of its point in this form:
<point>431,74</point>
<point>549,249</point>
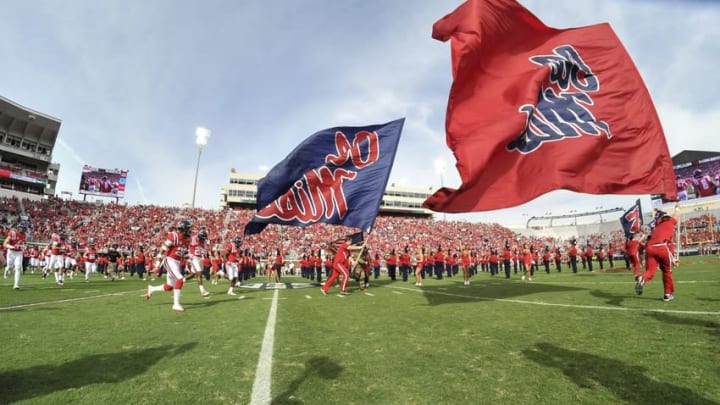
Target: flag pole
<point>359,256</point>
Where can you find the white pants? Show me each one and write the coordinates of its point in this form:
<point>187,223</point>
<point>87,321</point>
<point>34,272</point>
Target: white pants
<point>56,262</point>
<point>173,269</point>
<point>14,259</point>
<point>196,264</point>
<point>231,269</point>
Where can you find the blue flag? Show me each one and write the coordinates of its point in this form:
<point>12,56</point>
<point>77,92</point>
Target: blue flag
<point>336,176</point>
<point>632,219</point>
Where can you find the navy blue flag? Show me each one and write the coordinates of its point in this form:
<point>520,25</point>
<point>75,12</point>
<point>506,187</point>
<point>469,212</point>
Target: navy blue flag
<point>632,219</point>
<point>336,176</point>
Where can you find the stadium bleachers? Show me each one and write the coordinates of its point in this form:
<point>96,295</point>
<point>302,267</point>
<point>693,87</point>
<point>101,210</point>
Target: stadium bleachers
<point>147,225</point>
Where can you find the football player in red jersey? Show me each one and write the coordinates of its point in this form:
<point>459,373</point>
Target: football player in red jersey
<point>682,187</point>
<point>14,244</point>
<point>90,256</point>
<point>198,247</point>
<point>171,257</point>
<point>57,257</point>
<point>659,253</point>
<point>231,257</point>
<point>704,186</point>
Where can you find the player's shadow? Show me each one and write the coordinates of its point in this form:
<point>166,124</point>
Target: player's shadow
<point>317,368</point>
<point>628,383</point>
<point>610,299</point>
<point>713,328</point>
<point>38,381</point>
<point>486,290</point>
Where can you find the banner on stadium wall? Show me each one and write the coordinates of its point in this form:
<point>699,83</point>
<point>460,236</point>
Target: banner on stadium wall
<point>103,182</point>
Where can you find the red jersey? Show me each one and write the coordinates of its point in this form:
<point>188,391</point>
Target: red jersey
<point>70,251</point>
<point>197,246</point>
<point>177,242</point>
<point>681,185</point>
<point>341,257</point>
<point>231,253</point>
<point>90,254</point>
<point>16,240</point>
<point>704,186</point>
<point>57,247</point>
<point>663,232</point>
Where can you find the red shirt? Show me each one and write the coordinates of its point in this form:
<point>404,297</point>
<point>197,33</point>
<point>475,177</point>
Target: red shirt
<point>663,232</point>
<point>15,240</point>
<point>177,242</point>
<point>341,257</point>
<point>90,254</point>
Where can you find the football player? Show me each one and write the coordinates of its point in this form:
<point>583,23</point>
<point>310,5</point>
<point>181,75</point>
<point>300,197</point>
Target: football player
<point>14,244</point>
<point>198,247</point>
<point>171,257</point>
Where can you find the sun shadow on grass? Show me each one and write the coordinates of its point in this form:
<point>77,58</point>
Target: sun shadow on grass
<point>317,367</point>
<point>610,299</point>
<point>713,328</point>
<point>628,383</point>
<point>486,290</point>
<point>39,381</point>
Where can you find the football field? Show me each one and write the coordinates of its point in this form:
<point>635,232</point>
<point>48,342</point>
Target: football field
<point>562,338</point>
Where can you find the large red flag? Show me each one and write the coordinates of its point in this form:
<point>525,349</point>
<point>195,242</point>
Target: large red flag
<point>534,109</point>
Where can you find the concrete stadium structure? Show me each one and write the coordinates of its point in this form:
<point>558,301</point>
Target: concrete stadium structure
<point>27,140</point>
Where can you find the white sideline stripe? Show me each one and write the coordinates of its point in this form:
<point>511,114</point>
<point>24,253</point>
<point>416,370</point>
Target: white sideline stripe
<point>263,373</point>
<point>536,281</point>
<point>37,304</point>
<point>550,304</point>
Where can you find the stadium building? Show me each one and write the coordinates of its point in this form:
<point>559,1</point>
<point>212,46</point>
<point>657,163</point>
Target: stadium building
<point>27,139</point>
<point>241,192</point>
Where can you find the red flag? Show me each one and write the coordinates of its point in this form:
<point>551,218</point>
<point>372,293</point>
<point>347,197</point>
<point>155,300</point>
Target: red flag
<point>534,109</point>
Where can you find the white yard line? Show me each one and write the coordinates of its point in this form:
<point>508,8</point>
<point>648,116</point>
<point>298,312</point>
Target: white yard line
<point>263,372</point>
<point>37,304</point>
<point>550,304</point>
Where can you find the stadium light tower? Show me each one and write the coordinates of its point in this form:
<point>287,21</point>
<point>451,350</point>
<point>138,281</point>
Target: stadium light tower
<point>201,137</point>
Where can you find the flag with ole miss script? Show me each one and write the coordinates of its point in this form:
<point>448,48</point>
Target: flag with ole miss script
<point>534,109</point>
<point>336,176</point>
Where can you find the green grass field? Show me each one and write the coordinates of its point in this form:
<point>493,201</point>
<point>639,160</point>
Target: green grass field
<point>560,339</point>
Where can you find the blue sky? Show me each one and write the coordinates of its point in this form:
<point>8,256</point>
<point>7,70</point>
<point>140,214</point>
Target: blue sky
<point>132,79</point>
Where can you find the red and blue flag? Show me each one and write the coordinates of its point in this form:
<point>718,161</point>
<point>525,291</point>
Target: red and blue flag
<point>336,176</point>
<point>632,219</point>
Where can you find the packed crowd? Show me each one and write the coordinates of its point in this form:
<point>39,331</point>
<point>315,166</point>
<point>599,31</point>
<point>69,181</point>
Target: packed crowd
<point>130,236</point>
